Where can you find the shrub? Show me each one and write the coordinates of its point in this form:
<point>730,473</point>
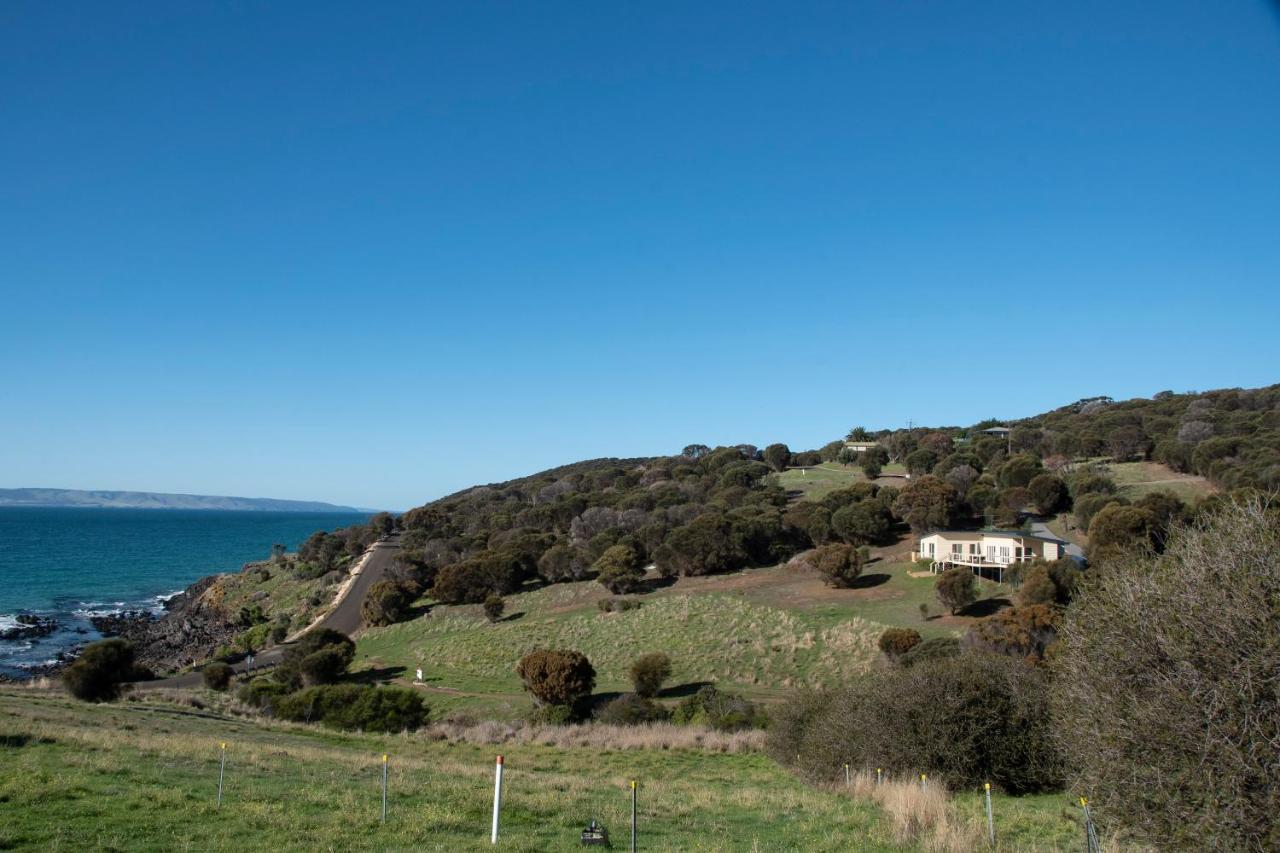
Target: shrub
<point>723,711</point>
<point>493,607</point>
<point>1121,528</point>
<point>261,692</point>
<point>1024,632</point>
<point>839,564</point>
<point>1048,493</point>
<point>896,642</point>
<point>649,672</point>
<point>1036,587</point>
<point>934,648</point>
<point>354,707</point>
<point>102,667</point>
<point>318,657</point>
<point>1165,689</point>
<point>612,605</point>
<point>620,569</point>
<point>217,675</point>
<point>927,503</point>
<point>964,720</point>
<point>386,603</point>
<point>557,676</point>
<point>957,589</point>
<point>632,709</point>
<point>553,715</point>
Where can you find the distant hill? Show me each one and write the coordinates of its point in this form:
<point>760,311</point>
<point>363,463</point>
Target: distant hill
<point>156,500</point>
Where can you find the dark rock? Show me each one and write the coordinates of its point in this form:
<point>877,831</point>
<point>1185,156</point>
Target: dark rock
<point>29,627</point>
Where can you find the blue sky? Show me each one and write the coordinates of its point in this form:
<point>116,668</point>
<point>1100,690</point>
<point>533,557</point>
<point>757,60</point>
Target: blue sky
<point>375,254</point>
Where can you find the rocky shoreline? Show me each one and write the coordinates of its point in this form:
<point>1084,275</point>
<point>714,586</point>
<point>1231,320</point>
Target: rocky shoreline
<point>29,627</point>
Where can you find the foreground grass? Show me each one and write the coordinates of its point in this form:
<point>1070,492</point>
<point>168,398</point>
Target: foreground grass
<point>135,776</point>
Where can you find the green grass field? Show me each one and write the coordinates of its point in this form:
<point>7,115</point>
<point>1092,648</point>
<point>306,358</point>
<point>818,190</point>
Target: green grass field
<point>1138,478</point>
<point>139,777</point>
<point>760,632</point>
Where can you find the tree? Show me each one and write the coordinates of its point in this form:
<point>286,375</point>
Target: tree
<point>1126,442</point>
<point>777,456</point>
<point>921,461</point>
<point>1118,527</point>
<point>1037,587</point>
<point>649,672</point>
<point>961,478</point>
<point>830,451</point>
<point>217,675</point>
<point>102,667</point>
<point>839,564</point>
<point>557,676</point>
<point>858,434</point>
<point>939,442</point>
<point>695,451</point>
<point>1165,696</point>
<point>926,504</point>
<point>1194,432</point>
<point>896,642</point>
<point>956,589</point>
<point>561,563</point>
<point>493,607</point>
<point>864,523</point>
<point>701,547</point>
<point>620,569</point>
<point>386,603</point>
<point>1018,470</point>
<point>1048,493</point>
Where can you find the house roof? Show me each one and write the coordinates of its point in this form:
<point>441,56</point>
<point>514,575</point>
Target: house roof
<point>1019,533</point>
<point>996,429</point>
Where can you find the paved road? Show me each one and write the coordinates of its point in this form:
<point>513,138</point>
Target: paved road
<point>344,617</point>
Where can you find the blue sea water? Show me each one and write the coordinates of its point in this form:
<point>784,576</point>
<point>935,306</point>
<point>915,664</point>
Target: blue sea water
<point>74,563</point>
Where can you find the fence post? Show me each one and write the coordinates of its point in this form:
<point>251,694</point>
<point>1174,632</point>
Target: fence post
<point>924,782</point>
<point>633,816</point>
<point>384,787</point>
<point>222,771</point>
<point>497,799</point>
<point>879,775</point>
<point>1090,831</point>
<point>846,774</point>
<point>991,824</point>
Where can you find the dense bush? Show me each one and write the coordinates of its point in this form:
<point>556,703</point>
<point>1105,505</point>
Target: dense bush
<point>261,692</point>
<point>1167,687</point>
<point>318,657</point>
<point>354,707</point>
<point>386,603</point>
<point>927,503</point>
<point>957,589</point>
<point>102,667</point>
<point>934,648</point>
<point>649,672</point>
<point>896,642</point>
<point>965,720</point>
<point>557,676</point>
<point>494,605</point>
<point>1047,492</point>
<point>632,709</point>
<point>718,710</point>
<point>1025,632</point>
<point>840,565</point>
<point>217,675</point>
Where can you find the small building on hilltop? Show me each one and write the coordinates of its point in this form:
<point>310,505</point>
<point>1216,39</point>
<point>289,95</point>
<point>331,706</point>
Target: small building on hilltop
<point>987,552</point>
<point>860,446</point>
<point>997,431</point>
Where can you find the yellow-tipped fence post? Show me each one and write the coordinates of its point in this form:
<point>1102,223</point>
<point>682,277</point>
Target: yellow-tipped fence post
<point>633,816</point>
<point>879,775</point>
<point>384,787</point>
<point>924,782</point>
<point>846,774</point>
<point>222,771</point>
<point>991,823</point>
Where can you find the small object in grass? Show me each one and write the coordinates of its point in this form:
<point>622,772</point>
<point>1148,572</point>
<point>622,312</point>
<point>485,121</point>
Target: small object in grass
<point>595,835</point>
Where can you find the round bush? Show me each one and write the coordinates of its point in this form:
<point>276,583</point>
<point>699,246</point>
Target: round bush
<point>217,675</point>
<point>557,676</point>
<point>649,672</point>
<point>896,642</point>
<point>102,667</point>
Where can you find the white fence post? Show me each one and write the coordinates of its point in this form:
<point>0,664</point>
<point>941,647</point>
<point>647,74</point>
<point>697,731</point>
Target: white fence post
<point>497,799</point>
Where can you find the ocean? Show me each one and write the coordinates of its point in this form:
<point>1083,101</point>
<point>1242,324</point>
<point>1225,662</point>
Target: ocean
<point>74,563</point>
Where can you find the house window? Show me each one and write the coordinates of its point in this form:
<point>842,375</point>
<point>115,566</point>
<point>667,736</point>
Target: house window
<point>973,549</point>
<point>930,549</point>
<point>957,548</point>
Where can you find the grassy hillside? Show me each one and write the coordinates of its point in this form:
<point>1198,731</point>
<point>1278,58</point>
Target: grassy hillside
<point>759,632</point>
<point>143,776</point>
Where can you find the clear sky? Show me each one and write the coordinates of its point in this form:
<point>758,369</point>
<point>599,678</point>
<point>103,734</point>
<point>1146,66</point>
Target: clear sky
<point>374,253</point>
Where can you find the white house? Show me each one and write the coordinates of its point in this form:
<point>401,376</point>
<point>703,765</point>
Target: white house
<point>860,446</point>
<point>991,550</point>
